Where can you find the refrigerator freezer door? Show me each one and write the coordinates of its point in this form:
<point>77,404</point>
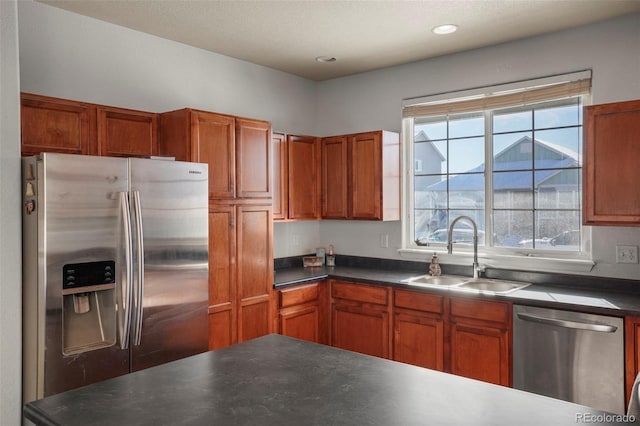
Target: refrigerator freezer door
<point>73,261</point>
<point>172,321</point>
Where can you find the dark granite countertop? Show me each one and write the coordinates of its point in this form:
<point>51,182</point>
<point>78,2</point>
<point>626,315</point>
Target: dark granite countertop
<point>277,380</point>
<point>619,299</point>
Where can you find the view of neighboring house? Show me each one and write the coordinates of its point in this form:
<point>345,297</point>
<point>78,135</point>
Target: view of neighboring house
<point>526,176</point>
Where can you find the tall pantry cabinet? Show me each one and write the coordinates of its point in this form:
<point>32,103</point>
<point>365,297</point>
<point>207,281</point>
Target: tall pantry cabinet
<point>238,152</point>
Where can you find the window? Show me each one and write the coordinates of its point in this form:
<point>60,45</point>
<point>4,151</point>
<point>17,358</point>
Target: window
<point>511,161</point>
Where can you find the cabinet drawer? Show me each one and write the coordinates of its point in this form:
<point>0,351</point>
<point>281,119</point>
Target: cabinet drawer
<point>418,301</point>
<point>480,310</point>
<point>359,292</point>
<point>298,295</point>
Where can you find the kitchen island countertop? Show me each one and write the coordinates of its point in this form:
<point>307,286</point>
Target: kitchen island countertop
<point>277,380</point>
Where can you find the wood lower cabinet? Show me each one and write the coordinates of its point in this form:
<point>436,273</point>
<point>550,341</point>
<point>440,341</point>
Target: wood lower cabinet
<point>612,150</point>
<point>254,230</point>
<point>360,319</point>
<point>632,352</point>
<point>223,330</point>
<point>240,273</point>
<point>301,312</point>
<point>55,125</point>
<point>418,329</point>
<point>362,170</point>
<point>481,340</point>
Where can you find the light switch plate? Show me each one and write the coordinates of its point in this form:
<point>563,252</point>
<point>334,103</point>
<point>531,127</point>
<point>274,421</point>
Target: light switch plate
<point>626,254</point>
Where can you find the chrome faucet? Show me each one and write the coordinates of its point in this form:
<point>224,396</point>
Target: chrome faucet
<point>476,265</point>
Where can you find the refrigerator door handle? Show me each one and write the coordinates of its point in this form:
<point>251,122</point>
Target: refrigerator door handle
<point>137,336</point>
<point>126,288</point>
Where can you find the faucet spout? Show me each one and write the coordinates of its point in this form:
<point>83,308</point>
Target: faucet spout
<point>476,266</point>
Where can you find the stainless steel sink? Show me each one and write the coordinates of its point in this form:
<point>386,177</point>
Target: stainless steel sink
<point>491,286</point>
<point>437,281</point>
<point>471,285</point>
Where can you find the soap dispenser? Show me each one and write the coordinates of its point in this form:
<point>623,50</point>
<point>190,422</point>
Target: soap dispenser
<point>331,256</point>
<point>434,267</point>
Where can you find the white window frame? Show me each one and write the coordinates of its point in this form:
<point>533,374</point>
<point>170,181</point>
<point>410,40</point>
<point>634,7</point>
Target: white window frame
<point>499,257</point>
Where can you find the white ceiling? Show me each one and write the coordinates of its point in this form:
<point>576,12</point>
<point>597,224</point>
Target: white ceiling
<point>363,35</point>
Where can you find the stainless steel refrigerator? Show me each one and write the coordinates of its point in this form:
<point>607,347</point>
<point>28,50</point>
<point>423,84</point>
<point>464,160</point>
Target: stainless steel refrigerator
<point>115,267</point>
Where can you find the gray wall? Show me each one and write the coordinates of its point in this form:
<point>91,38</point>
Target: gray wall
<point>71,56</point>
<point>373,100</point>
<point>10,235</point>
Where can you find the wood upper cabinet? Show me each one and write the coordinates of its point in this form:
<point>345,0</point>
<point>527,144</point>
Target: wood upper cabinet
<point>296,183</point>
<point>126,133</point>
<point>303,161</point>
<point>55,125</point>
<point>481,340</point>
<point>203,137</point>
<point>335,182</point>
<point>67,126</point>
<point>253,158</point>
<point>418,329</point>
<point>372,171</point>
<point>360,318</point>
<point>280,176</point>
<point>611,172</point>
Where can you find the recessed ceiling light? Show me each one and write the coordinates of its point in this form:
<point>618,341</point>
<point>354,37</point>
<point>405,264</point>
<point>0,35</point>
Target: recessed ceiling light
<point>326,59</point>
<point>445,29</point>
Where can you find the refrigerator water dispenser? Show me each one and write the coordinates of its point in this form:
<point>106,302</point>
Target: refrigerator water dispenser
<point>89,306</point>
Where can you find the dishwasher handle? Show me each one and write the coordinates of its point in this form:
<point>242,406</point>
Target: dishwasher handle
<point>599,327</point>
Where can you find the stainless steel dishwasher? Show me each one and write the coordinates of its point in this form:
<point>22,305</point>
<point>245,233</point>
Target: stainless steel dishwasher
<point>569,355</point>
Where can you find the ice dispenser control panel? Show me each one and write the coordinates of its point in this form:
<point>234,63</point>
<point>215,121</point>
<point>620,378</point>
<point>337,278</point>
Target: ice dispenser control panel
<point>75,275</point>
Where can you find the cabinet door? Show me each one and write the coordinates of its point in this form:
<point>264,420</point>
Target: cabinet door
<point>127,133</point>
<point>418,328</point>
<point>612,151</point>
<point>213,142</point>
<point>418,339</point>
<point>55,125</point>
<point>481,339</point>
<point>334,178</point>
<point>222,276</point>
<point>480,352</point>
<point>255,271</point>
<point>360,328</point>
<point>303,179</point>
<point>632,352</point>
<point>253,162</point>
<point>365,178</point>
<point>280,177</point>
<point>301,322</point>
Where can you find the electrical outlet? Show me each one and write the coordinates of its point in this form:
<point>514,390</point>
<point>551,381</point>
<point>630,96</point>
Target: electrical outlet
<point>626,254</point>
<point>384,240</point>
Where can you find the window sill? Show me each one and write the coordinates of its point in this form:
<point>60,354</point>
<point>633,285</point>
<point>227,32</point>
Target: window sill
<point>534,263</point>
